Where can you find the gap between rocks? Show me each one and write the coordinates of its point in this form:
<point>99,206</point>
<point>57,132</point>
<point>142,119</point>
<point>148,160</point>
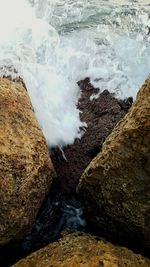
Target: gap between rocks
<point>61,209</point>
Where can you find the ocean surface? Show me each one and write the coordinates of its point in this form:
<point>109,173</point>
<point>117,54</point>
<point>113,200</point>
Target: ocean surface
<point>52,44</point>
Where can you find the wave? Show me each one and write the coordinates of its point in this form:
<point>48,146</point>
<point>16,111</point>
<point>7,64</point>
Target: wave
<point>54,43</point>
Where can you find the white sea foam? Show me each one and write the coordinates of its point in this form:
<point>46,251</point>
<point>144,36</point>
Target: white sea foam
<point>54,43</point>
<point>30,45</point>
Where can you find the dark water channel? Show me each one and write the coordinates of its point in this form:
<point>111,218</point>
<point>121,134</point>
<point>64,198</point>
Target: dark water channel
<point>58,213</point>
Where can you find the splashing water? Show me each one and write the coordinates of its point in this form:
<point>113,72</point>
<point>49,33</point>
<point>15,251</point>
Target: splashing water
<point>54,43</point>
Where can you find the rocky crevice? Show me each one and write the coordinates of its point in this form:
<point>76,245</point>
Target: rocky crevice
<point>61,208</point>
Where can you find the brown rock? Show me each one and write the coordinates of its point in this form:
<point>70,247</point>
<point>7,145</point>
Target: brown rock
<point>101,116</point>
<point>26,170</point>
<point>77,250</point>
<point>115,188</point>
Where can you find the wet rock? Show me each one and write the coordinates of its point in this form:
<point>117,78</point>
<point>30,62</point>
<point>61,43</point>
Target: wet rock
<point>101,116</point>
<point>79,249</point>
<point>26,170</point>
<point>115,187</point>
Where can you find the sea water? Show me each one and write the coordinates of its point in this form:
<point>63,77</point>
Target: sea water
<point>52,44</point>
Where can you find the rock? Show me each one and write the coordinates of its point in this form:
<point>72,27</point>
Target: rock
<point>76,250</point>
<point>26,170</point>
<point>115,187</point>
<point>101,116</point>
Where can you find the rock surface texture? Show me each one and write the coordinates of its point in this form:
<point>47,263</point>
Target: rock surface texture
<point>115,187</point>
<point>78,250</point>
<point>26,170</point>
<point>101,115</point>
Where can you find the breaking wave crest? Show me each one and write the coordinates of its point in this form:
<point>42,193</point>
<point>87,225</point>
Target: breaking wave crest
<point>54,43</point>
